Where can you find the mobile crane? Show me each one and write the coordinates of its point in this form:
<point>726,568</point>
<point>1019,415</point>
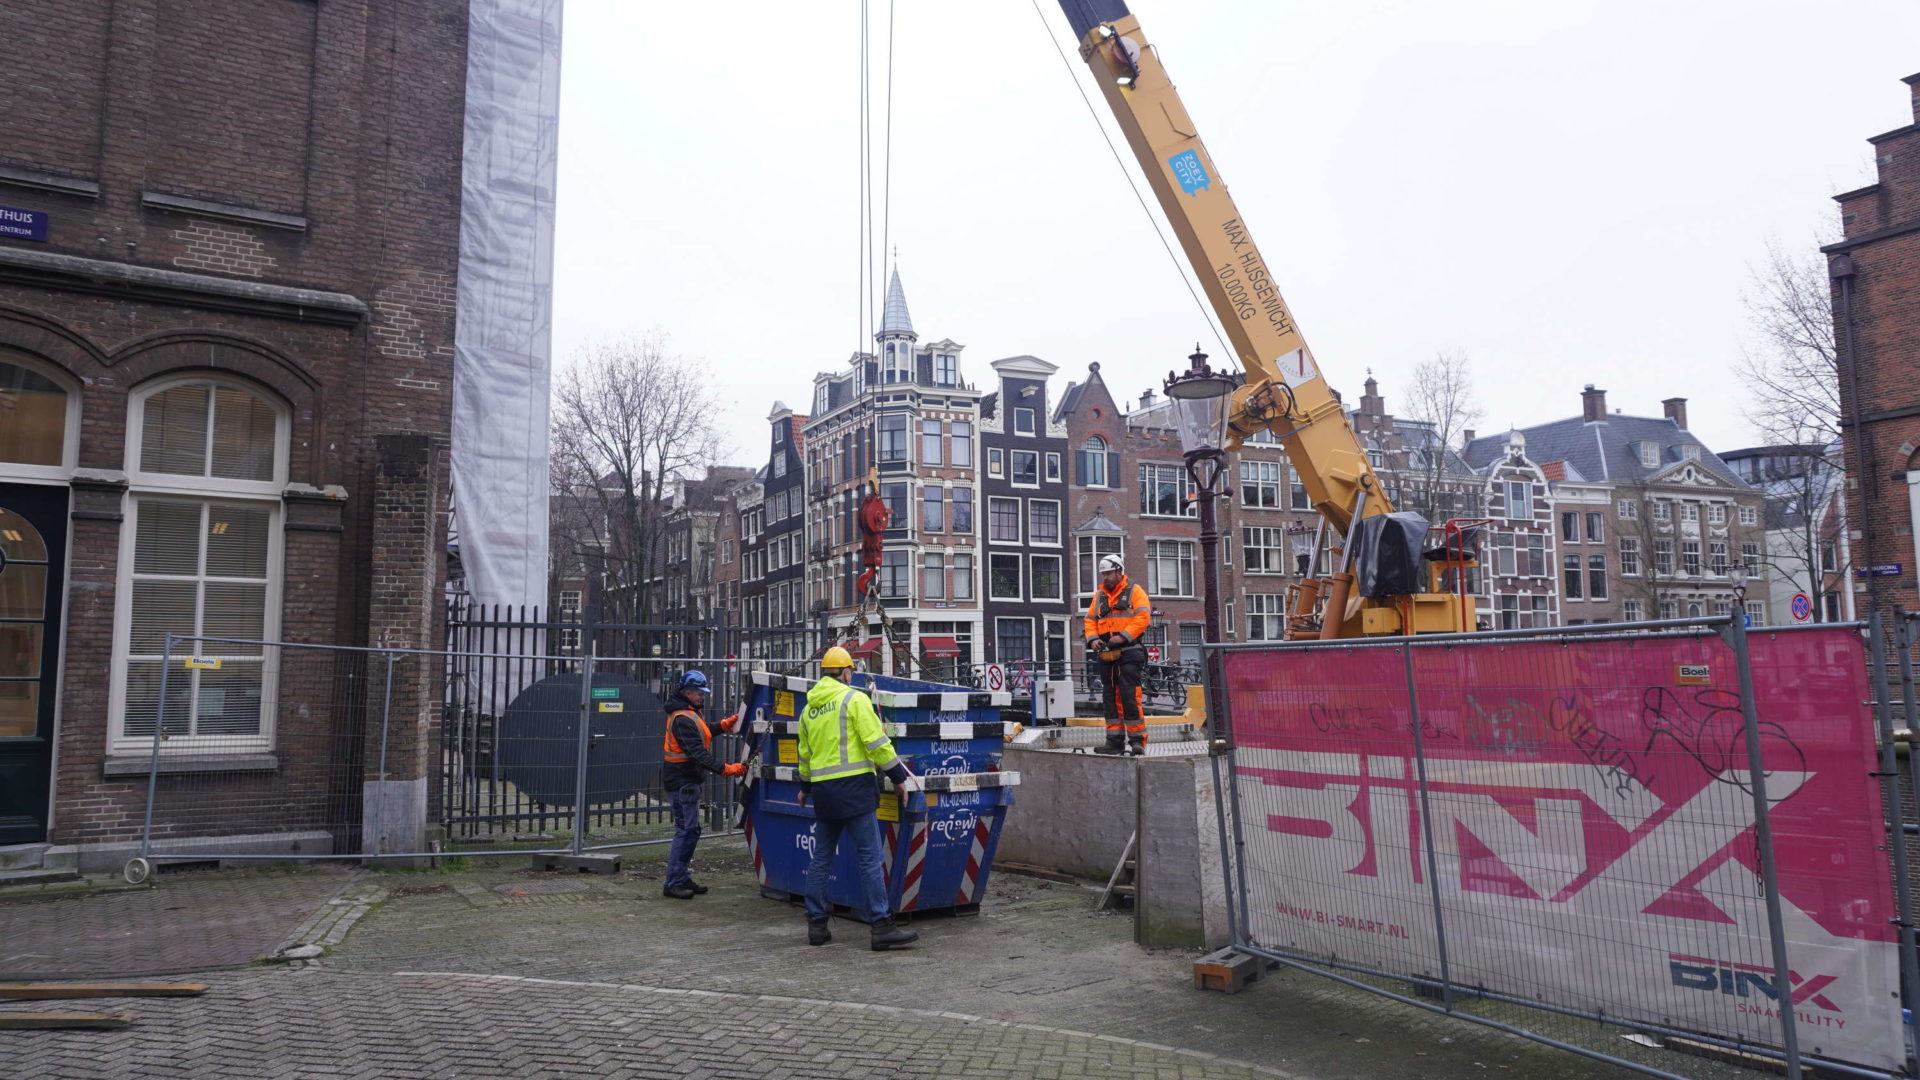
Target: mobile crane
<point>1284,390</point>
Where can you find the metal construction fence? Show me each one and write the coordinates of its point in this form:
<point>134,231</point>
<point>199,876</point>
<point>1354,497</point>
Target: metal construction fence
<point>1682,829</point>
<point>277,750</point>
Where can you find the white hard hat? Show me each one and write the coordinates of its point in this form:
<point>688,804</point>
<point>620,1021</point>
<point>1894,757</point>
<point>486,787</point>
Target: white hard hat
<point>1111,562</point>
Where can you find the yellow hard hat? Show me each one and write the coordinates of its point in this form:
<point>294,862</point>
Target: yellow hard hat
<point>836,657</point>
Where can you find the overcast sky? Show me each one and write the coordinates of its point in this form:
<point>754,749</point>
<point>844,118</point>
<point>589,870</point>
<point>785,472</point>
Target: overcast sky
<point>1570,192</point>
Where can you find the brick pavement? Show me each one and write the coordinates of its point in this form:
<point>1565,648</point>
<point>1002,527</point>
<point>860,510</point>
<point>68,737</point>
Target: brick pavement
<point>189,921</point>
<point>270,1025</point>
<point>497,971</point>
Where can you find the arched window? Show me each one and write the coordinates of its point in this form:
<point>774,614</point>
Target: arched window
<point>39,419</point>
<point>1093,463</point>
<point>200,558</point>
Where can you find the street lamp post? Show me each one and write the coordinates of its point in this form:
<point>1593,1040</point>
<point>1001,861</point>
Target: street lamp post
<point>1199,399</point>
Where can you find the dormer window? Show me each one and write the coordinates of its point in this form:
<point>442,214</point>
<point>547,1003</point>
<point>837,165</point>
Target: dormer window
<point>1689,452</point>
<point>946,370</point>
<point>1649,454</point>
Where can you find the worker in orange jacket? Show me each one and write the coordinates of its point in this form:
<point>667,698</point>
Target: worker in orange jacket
<point>1117,618</point>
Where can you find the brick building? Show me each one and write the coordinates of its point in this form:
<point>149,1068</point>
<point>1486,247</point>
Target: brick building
<point>905,412</point>
<point>227,275</point>
<point>1875,271</point>
<point>1657,526</point>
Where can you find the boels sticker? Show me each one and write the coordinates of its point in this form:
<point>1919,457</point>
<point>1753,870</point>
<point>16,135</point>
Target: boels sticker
<point>787,751</point>
<point>1692,674</point>
<point>783,703</point>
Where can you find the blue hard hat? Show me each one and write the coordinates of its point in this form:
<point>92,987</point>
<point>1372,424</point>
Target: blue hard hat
<point>694,680</point>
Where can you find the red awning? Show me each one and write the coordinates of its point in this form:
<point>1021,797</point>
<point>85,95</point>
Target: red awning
<point>939,646</point>
<point>865,648</point>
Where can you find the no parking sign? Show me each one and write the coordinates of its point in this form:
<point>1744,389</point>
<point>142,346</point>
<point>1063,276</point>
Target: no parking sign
<point>1802,607</point>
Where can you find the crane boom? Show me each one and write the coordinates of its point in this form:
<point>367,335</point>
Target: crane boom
<point>1284,391</point>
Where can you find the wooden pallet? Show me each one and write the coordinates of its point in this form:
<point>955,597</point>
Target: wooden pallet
<point>846,911</point>
<point>58,991</point>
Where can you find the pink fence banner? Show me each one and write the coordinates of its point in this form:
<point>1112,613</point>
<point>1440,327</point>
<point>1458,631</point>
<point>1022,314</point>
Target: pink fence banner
<point>1592,823</point>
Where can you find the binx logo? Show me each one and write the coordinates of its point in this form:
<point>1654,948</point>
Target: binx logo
<point>1746,980</point>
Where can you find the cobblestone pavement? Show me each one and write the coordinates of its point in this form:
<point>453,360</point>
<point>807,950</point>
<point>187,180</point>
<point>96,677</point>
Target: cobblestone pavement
<point>190,922</point>
<point>494,970</point>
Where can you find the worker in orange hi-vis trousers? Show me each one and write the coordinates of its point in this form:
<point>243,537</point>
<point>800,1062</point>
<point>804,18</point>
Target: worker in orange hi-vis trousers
<point>1117,618</point>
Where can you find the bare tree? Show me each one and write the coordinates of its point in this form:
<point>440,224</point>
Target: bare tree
<point>1792,372</point>
<point>1440,397</point>
<point>630,419</point>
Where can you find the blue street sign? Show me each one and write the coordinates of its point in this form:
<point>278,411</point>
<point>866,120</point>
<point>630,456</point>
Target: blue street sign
<point>1747,621</point>
<point>1802,607</point>
<point>23,224</point>
<point>1882,570</point>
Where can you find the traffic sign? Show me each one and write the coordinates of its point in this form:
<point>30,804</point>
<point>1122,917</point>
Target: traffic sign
<point>996,678</point>
<point>1153,653</point>
<point>1802,607</point>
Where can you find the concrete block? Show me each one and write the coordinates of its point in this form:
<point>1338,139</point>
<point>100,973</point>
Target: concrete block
<point>1073,813</point>
<point>1167,906</point>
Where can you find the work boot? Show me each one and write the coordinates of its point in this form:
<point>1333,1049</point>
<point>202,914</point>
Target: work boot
<point>888,935</point>
<point>678,892</point>
<point>698,889</point>
<point>818,932</point>
<point>1138,749</point>
<point>1109,749</point>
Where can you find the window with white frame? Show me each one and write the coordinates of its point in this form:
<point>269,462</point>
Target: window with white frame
<point>897,365</point>
<point>1265,548</point>
<point>933,576</point>
<point>1297,491</point>
<point>996,461</point>
<point>1053,467</point>
<point>1023,422</point>
<point>40,431</point>
<point>893,437</point>
<point>201,556</point>
<point>961,434</point>
<point>1266,617</point>
<point>1045,580</point>
<point>1689,511</point>
<point>1750,555</point>
<point>1169,568</point>
<point>1649,454</point>
<point>1629,509</point>
<point>1087,553</point>
<point>1003,520</point>
<point>962,500</point>
<point>946,369</point>
<point>1519,500</point>
<point>1663,557</point>
<point>1716,513</point>
<point>1632,610</point>
<point>1164,490</point>
<point>1026,468</point>
<point>962,576</point>
<point>1756,613</point>
<point>930,442</point>
<point>1690,558</point>
<point>895,574</point>
<point>1003,577</point>
<point>933,516</point>
<point>1749,516</point>
<point>1662,510</point>
<point>1596,577</point>
<point>1260,486</point>
<point>1573,578</point>
<point>1043,522</point>
<point>1717,558</point>
<point>1093,463</point>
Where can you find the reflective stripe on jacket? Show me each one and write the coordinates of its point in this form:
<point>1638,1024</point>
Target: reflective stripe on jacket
<point>840,734</point>
<point>671,749</point>
<point>1124,610</point>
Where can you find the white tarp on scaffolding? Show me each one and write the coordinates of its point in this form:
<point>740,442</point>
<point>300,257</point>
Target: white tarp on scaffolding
<point>502,348</point>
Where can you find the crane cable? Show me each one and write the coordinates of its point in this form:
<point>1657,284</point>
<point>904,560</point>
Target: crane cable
<point>1179,267</point>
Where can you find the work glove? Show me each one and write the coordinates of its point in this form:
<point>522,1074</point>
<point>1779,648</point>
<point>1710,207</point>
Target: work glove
<point>1093,642</point>
<point>736,769</point>
<point>731,722</point>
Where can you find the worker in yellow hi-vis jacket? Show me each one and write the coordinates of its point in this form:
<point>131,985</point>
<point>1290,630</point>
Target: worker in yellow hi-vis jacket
<point>842,752</point>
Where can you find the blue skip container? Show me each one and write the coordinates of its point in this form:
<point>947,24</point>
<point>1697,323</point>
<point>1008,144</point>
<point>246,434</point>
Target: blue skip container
<point>937,844</point>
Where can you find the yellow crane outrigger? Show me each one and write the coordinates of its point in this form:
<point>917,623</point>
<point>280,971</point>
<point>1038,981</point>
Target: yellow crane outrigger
<point>1284,391</point>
